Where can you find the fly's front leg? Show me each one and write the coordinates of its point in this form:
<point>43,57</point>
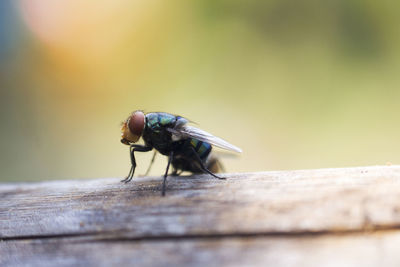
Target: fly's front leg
<point>132,149</point>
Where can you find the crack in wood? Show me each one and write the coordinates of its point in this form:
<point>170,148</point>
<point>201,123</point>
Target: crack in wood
<point>119,236</point>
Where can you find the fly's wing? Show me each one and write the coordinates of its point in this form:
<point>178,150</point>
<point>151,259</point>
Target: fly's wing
<point>186,131</point>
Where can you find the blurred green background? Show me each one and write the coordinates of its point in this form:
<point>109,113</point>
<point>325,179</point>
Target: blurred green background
<point>295,83</point>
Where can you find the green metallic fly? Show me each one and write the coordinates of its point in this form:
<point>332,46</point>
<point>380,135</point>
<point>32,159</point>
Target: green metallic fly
<point>188,148</point>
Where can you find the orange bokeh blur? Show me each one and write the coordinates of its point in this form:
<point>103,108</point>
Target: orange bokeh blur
<point>294,84</point>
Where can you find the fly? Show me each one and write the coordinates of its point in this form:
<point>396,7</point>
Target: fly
<point>188,148</point>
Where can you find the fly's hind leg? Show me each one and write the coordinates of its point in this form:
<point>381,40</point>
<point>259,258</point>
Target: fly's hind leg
<point>203,167</point>
<point>214,165</point>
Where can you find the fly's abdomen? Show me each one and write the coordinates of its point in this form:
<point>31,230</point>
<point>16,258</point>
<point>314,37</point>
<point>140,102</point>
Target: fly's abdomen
<point>203,149</point>
<point>185,160</point>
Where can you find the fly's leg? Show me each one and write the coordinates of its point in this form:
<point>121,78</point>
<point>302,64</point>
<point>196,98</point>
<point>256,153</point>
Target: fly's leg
<point>204,168</point>
<point>214,165</point>
<point>132,149</point>
<point>166,173</point>
<point>151,163</point>
<point>133,166</point>
<point>221,166</point>
<point>176,173</point>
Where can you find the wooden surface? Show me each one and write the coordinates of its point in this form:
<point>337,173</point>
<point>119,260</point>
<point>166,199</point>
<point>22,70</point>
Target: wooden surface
<point>326,217</point>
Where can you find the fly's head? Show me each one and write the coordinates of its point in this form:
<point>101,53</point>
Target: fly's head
<point>132,128</point>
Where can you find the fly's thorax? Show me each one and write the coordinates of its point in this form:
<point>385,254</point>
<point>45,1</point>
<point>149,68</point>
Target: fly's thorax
<point>157,121</point>
<point>133,127</point>
<point>156,131</point>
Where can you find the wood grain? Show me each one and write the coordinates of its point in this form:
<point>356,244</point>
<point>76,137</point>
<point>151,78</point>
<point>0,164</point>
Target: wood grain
<point>348,216</point>
<point>378,249</point>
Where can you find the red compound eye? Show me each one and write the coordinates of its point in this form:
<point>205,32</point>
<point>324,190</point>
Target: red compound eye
<point>136,123</point>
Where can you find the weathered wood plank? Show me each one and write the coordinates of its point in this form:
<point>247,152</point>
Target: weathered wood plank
<point>334,217</point>
<point>350,199</point>
<point>367,250</point>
